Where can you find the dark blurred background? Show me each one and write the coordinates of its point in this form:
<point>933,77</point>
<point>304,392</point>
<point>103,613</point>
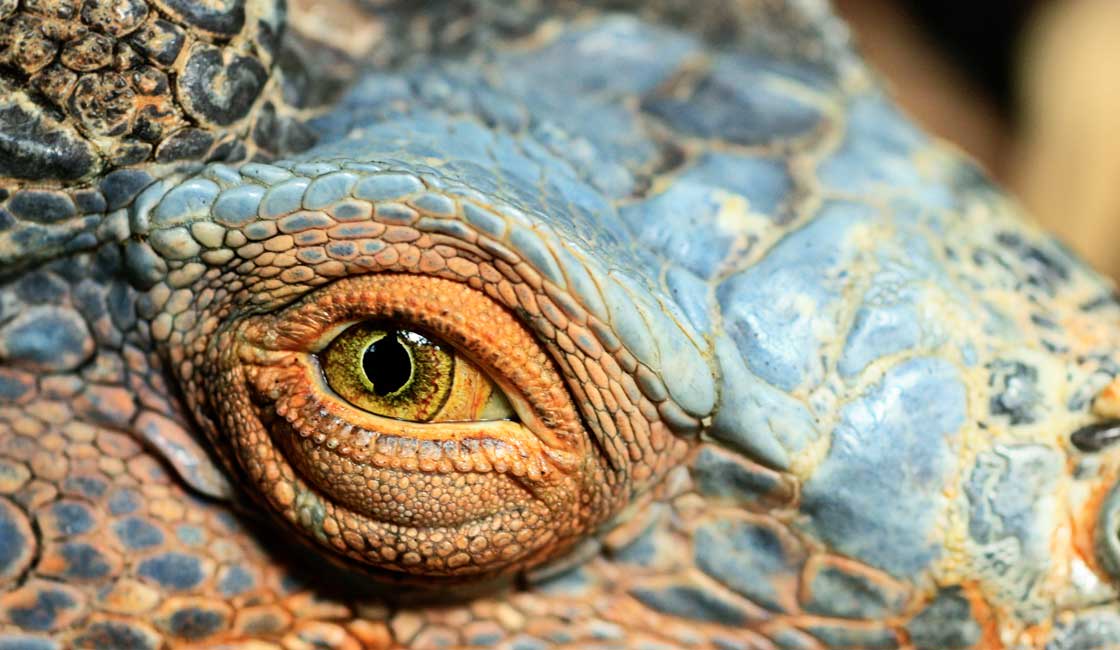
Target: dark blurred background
<point>1030,88</point>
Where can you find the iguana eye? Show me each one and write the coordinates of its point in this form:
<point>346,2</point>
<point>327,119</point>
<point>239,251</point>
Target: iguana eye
<point>407,375</point>
<point>411,423</point>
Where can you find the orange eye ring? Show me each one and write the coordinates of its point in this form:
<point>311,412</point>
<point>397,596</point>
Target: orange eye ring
<point>441,497</point>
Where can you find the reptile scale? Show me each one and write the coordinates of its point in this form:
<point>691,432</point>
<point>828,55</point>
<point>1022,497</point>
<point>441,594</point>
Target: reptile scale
<point>529,325</point>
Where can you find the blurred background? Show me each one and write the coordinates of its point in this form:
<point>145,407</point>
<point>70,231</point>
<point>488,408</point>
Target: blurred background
<point>1030,88</point>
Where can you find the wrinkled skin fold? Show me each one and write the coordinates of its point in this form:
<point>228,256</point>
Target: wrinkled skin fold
<point>780,370</point>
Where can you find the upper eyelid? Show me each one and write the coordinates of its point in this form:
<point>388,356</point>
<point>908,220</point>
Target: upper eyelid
<point>506,264</point>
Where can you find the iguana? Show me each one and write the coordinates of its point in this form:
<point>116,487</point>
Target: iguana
<point>527,325</point>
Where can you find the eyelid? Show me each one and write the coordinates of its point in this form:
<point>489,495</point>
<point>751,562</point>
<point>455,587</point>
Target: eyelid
<point>388,483</point>
<point>462,317</point>
<point>320,342</point>
<point>339,407</point>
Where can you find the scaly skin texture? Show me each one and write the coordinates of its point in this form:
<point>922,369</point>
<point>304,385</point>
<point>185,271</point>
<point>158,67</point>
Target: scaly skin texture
<point>787,373</point>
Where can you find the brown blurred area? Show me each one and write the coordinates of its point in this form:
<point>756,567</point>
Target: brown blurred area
<point>1031,89</point>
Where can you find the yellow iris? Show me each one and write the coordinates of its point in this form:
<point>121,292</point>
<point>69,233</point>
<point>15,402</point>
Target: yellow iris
<point>406,375</point>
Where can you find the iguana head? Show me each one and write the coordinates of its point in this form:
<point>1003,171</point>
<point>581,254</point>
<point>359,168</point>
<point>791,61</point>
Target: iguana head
<point>554,321</point>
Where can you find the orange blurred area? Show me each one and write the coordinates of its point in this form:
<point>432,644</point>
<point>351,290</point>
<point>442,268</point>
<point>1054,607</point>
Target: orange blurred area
<point>1054,138</point>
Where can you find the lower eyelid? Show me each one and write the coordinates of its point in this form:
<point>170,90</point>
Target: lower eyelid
<point>305,371</point>
<point>311,410</point>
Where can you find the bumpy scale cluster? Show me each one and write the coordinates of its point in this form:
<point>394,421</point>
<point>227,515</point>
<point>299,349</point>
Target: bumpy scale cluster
<point>91,86</point>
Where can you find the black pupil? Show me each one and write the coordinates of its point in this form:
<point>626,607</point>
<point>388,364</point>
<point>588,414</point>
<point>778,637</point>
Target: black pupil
<point>387,365</point>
